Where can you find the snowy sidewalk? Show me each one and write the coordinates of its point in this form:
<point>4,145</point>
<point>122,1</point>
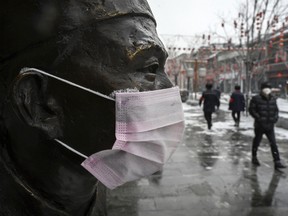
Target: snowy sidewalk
<point>210,174</point>
<point>282,105</point>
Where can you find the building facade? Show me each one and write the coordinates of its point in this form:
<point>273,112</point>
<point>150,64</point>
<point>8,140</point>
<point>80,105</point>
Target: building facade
<point>226,65</point>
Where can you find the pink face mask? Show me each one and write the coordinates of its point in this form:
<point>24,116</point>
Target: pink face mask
<point>149,127</point>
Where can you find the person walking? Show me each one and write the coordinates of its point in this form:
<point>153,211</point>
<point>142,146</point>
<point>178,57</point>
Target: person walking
<point>210,102</point>
<point>237,104</point>
<point>263,108</point>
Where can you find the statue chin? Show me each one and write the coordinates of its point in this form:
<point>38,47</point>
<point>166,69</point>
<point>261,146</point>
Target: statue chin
<point>102,45</point>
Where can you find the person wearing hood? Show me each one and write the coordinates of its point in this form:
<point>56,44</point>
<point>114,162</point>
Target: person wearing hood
<point>263,108</point>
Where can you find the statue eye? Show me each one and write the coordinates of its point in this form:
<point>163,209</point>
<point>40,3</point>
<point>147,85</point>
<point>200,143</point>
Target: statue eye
<point>152,68</point>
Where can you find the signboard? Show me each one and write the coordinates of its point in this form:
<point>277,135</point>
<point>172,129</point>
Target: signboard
<point>190,72</point>
<point>202,72</point>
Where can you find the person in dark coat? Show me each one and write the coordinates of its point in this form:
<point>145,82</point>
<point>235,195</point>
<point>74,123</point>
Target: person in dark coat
<point>237,104</point>
<point>263,108</point>
<point>210,102</point>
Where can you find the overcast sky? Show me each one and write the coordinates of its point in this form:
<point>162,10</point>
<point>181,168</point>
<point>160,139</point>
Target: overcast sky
<point>190,17</point>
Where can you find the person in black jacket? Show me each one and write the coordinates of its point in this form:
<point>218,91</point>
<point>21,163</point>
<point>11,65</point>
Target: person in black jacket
<point>263,108</point>
<point>237,104</point>
<point>210,102</point>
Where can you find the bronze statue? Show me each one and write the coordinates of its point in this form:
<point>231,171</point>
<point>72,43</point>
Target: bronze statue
<point>104,45</point>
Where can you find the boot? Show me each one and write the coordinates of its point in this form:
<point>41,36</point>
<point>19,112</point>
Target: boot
<point>279,165</point>
<point>209,126</point>
<point>255,161</point>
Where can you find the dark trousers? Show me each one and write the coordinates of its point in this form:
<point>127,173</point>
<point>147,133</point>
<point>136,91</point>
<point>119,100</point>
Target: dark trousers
<point>236,116</point>
<point>208,117</point>
<point>270,134</point>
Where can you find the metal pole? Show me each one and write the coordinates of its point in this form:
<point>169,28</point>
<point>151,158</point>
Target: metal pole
<point>232,77</point>
<point>247,85</point>
<point>195,78</point>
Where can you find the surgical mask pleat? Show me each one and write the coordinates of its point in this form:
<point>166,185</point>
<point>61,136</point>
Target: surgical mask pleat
<point>149,127</point>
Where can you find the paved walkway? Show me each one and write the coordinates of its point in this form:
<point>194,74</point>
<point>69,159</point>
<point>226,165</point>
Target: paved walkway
<point>210,174</point>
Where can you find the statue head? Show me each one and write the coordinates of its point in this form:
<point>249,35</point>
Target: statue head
<point>103,45</point>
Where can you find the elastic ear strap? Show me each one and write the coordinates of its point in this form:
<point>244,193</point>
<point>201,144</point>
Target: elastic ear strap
<point>71,149</point>
<point>68,82</point>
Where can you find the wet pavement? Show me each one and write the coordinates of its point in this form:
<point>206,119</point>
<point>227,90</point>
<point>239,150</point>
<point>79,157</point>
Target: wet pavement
<point>210,174</point>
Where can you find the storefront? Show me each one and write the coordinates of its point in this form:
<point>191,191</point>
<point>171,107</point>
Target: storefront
<point>279,78</point>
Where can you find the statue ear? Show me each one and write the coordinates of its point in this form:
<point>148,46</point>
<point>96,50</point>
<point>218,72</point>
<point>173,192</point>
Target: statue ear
<point>33,104</point>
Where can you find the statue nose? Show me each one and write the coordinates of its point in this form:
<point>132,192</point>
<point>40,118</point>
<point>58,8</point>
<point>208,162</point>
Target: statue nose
<point>151,74</point>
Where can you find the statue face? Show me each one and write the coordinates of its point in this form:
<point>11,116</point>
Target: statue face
<point>103,45</point>
<point>119,52</point>
<point>116,54</point>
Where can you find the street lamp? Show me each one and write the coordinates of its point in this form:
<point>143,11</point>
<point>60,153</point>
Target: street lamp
<point>190,73</point>
<point>195,85</point>
<point>248,66</point>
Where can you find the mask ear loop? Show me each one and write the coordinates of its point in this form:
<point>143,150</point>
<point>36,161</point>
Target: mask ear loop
<point>73,84</point>
<point>66,81</point>
<point>71,149</point>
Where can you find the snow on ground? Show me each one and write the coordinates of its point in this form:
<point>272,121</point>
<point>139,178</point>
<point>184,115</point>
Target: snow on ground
<point>220,128</point>
<point>283,104</point>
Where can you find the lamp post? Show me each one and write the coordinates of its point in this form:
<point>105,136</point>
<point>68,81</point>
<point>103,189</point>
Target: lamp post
<point>195,85</point>
<point>248,66</point>
<point>285,90</point>
<point>175,70</point>
<point>190,73</point>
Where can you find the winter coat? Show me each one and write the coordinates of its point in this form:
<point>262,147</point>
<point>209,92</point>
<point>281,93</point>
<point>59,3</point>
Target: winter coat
<point>210,101</point>
<point>237,102</point>
<point>264,110</point>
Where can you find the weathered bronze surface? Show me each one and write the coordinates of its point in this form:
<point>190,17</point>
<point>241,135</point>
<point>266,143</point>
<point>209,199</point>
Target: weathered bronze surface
<point>103,45</point>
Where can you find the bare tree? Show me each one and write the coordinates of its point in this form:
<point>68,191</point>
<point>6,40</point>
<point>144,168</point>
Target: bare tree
<point>177,44</point>
<point>253,26</point>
